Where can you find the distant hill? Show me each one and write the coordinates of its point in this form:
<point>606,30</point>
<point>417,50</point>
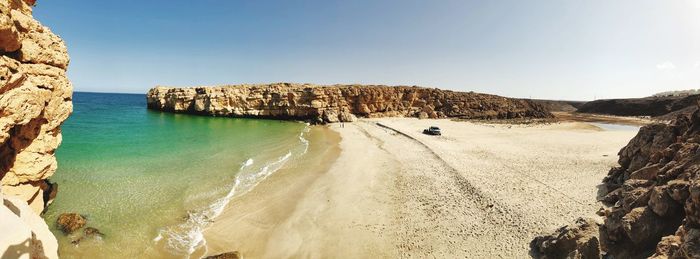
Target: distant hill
<point>663,107</point>
<point>560,106</point>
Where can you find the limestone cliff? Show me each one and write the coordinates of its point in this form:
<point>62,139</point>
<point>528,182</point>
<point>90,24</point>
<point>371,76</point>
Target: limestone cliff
<point>35,99</point>
<point>336,103</point>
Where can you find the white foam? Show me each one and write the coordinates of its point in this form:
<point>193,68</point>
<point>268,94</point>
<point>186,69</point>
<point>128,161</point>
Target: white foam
<point>185,238</point>
<point>303,140</point>
<point>247,163</point>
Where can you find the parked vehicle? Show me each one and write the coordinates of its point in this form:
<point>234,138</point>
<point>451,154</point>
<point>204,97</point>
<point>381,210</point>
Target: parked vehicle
<point>432,131</point>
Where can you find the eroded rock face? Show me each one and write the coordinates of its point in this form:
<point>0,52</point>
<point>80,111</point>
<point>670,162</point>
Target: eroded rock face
<point>655,193</point>
<point>69,222</point>
<point>579,240</point>
<point>35,98</point>
<point>654,199</point>
<point>339,102</point>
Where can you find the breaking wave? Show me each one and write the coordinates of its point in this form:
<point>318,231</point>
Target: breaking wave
<point>185,238</point>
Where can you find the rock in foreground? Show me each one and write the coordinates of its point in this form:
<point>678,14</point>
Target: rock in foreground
<point>229,255</point>
<point>654,196</point>
<point>338,103</point>
<point>69,222</point>
<point>577,241</point>
<point>655,193</point>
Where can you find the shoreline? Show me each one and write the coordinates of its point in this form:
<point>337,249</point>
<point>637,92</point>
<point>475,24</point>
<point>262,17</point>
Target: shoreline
<point>383,194</point>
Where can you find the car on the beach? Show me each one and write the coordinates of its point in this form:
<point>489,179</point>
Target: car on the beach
<point>432,131</point>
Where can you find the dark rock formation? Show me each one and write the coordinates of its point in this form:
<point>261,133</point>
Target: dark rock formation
<point>654,196</point>
<point>560,106</point>
<point>92,232</point>
<point>664,108</point>
<point>229,255</point>
<point>655,193</point>
<point>339,102</point>
<point>69,222</point>
<point>577,241</point>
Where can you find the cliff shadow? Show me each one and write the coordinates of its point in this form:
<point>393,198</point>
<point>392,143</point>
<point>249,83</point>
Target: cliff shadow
<point>31,246</point>
<point>21,136</point>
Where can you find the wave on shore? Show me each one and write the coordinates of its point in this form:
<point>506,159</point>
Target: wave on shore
<point>185,238</point>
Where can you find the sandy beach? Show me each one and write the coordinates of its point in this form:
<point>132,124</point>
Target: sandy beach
<point>380,188</point>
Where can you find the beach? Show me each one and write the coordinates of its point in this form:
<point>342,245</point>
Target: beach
<point>380,188</point>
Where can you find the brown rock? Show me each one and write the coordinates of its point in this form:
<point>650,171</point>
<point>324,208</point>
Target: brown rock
<point>690,248</point>
<point>229,255</point>
<point>657,193</point>
<point>9,36</point>
<point>92,232</point>
<point>661,202</point>
<point>646,173</point>
<point>70,222</point>
<point>642,226</point>
<point>668,246</point>
<point>576,241</point>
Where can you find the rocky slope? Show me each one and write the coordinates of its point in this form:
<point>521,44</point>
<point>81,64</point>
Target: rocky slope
<point>35,98</point>
<point>663,107</point>
<point>654,196</point>
<point>339,102</point>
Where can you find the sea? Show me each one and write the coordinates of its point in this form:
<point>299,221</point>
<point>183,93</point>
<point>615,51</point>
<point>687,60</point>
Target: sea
<point>151,181</point>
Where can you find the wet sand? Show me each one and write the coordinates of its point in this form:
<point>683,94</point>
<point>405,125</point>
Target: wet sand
<point>478,191</point>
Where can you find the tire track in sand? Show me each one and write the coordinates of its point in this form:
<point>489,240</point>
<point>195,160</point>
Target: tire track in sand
<point>439,213</point>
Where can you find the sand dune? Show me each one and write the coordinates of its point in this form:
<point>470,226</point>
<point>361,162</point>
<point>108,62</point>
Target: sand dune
<point>477,191</point>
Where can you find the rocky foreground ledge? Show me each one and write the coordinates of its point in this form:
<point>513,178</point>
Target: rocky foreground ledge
<point>339,103</point>
<point>653,198</point>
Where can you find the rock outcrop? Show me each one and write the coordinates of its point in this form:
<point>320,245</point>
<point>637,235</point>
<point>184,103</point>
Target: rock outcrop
<point>229,255</point>
<point>654,196</point>
<point>69,222</point>
<point>661,107</point>
<point>655,193</point>
<point>339,102</point>
<point>576,241</point>
<point>35,99</point>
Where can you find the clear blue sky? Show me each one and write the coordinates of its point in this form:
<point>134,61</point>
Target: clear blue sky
<point>557,49</point>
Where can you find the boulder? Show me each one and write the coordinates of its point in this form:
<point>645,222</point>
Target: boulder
<point>92,232</point>
<point>579,240</point>
<point>70,222</point>
<point>229,255</point>
<point>643,226</point>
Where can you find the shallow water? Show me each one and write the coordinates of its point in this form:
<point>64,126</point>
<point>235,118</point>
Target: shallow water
<point>615,127</point>
<point>150,181</point>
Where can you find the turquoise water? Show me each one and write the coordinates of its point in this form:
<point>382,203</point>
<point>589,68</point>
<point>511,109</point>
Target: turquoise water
<point>150,181</point>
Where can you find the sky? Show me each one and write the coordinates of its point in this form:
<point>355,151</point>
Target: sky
<point>548,49</point>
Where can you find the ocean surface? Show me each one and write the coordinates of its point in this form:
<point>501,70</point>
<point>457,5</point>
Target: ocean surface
<point>152,181</point>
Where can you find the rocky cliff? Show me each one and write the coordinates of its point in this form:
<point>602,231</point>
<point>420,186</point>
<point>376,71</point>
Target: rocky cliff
<point>654,199</point>
<point>655,193</point>
<point>339,102</point>
<point>35,98</point>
